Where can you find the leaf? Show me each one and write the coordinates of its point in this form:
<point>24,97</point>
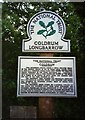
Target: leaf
<point>51,33</point>
<point>50,23</point>
<point>42,24</point>
<point>40,32</point>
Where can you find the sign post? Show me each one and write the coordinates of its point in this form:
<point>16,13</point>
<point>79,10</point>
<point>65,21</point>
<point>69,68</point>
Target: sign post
<point>46,76</point>
<point>46,104</point>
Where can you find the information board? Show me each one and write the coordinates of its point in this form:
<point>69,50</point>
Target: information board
<point>43,76</point>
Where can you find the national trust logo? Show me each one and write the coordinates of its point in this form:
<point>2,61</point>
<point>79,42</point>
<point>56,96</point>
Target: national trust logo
<point>46,31</point>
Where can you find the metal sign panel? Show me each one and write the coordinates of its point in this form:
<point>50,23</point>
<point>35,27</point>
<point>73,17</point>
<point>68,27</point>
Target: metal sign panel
<point>43,76</point>
<point>46,31</point>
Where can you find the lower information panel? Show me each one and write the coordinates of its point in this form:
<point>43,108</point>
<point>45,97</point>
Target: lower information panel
<point>46,76</point>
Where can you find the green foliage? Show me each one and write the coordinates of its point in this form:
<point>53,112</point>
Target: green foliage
<point>15,17</point>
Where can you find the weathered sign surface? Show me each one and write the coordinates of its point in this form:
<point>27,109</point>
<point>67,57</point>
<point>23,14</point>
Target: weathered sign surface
<point>43,76</point>
<point>46,31</point>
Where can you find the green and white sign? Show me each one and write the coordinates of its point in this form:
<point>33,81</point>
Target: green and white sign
<point>46,31</point>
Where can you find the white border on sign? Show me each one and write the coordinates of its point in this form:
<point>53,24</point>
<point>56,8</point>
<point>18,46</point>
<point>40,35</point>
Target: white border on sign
<point>48,95</point>
<point>24,49</point>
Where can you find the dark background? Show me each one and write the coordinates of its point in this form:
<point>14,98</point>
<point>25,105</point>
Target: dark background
<point>15,17</point>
